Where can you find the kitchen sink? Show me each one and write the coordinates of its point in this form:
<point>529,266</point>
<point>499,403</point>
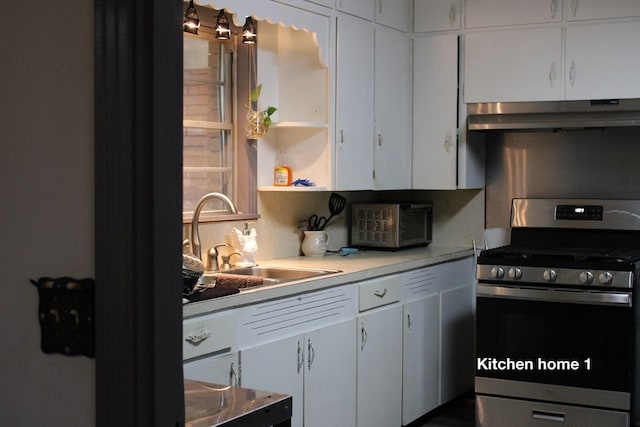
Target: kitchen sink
<point>269,275</point>
<point>281,274</point>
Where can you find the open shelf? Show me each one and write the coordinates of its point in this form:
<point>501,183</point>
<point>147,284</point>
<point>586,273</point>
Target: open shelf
<point>290,188</point>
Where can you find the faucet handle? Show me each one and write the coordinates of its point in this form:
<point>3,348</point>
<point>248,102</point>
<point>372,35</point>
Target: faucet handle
<point>226,265</point>
<point>212,260</point>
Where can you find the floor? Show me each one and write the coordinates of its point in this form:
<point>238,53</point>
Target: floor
<point>459,413</point>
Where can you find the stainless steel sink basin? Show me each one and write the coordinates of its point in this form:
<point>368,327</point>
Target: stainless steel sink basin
<point>281,274</point>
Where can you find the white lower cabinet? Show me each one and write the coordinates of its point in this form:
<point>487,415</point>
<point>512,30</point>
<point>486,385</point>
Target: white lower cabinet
<point>380,367</point>
<point>222,369</point>
<point>438,336</point>
<point>456,340</point>
<point>316,368</point>
<point>421,358</point>
<point>377,353</point>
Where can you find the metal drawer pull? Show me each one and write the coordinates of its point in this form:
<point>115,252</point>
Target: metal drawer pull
<point>197,338</point>
<point>547,416</point>
<point>381,293</point>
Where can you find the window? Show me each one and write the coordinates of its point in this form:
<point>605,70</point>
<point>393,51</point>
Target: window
<point>214,153</point>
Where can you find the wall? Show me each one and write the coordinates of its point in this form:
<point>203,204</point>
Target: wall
<point>458,219</point>
<point>596,163</point>
<point>46,219</point>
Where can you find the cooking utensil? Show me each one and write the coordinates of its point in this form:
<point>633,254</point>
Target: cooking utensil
<point>317,223</point>
<point>336,206</point>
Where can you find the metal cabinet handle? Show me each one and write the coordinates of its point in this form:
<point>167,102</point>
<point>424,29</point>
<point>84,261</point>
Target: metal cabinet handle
<point>300,356</point>
<point>311,354</point>
<point>408,321</point>
<point>447,142</point>
<point>548,416</point>
<point>341,136</point>
<point>363,336</point>
<point>380,293</point>
<point>233,376</point>
<point>379,140</point>
<point>574,8</point>
<point>573,73</point>
<point>552,74</point>
<point>452,14</point>
<point>554,8</point>
<point>198,337</point>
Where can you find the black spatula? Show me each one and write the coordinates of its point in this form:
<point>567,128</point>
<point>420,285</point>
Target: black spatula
<point>336,206</point>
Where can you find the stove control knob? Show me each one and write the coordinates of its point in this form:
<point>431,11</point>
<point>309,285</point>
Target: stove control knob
<point>550,275</point>
<point>605,278</point>
<point>497,272</point>
<point>515,273</point>
<point>586,277</point>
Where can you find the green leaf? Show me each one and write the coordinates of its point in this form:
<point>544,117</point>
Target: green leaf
<point>270,110</point>
<point>255,94</point>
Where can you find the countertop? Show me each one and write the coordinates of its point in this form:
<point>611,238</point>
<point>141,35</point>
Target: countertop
<point>363,265</point>
<point>209,405</point>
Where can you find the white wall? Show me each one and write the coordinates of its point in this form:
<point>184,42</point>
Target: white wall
<point>46,189</point>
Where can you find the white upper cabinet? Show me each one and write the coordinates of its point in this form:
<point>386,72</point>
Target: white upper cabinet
<point>436,15</point>
<point>493,13</point>
<point>514,65</point>
<point>597,9</point>
<point>354,104</point>
<point>603,60</point>
<point>435,106</point>
<point>392,152</point>
<point>394,13</point>
<point>362,8</point>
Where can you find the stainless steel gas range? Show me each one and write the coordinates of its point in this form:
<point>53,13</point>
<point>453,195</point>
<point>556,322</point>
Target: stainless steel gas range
<point>557,323</point>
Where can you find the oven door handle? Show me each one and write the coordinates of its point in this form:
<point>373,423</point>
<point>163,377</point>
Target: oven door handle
<point>555,295</point>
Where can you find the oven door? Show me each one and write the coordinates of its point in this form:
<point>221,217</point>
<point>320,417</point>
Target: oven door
<point>555,345</point>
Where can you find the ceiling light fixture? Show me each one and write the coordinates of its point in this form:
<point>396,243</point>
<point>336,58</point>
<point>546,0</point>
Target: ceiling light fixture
<point>191,21</point>
<point>249,33</point>
<point>223,29</point>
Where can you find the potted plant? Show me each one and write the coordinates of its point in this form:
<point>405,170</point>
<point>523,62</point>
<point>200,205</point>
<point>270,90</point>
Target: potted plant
<point>258,121</point>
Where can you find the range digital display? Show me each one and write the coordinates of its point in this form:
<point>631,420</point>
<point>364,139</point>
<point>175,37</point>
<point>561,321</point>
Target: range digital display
<point>579,212</point>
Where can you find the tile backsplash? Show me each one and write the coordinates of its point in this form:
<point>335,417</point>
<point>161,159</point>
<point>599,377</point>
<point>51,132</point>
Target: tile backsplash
<point>458,219</point>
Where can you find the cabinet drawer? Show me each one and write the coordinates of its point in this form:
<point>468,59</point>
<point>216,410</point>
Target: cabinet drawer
<point>208,334</point>
<point>378,292</point>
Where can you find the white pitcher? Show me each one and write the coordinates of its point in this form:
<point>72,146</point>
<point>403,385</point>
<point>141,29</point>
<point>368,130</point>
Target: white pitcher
<point>315,243</point>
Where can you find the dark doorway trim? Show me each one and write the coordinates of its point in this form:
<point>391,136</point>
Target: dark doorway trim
<point>138,187</point>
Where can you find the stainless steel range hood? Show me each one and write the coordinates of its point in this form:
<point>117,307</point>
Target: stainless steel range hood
<point>550,115</point>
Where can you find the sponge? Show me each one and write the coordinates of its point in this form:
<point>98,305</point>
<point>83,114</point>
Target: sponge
<point>237,281</point>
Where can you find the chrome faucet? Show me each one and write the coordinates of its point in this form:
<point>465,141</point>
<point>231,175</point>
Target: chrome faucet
<point>195,232</point>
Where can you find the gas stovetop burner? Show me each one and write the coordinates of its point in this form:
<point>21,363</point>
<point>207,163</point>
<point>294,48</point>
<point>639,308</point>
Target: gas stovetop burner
<point>611,255</point>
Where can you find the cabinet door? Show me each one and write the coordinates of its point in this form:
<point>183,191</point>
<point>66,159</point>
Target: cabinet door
<point>279,367</point>
<point>436,15</point>
<point>354,104</point>
<point>394,13</point>
<point>435,101</point>
<point>222,369</point>
<point>492,13</point>
<point>421,362</point>
<point>456,353</point>
<point>513,65</point>
<point>598,9</point>
<point>379,399</point>
<point>361,8</point>
<point>603,61</point>
<point>392,111</point>
<point>329,379</point>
